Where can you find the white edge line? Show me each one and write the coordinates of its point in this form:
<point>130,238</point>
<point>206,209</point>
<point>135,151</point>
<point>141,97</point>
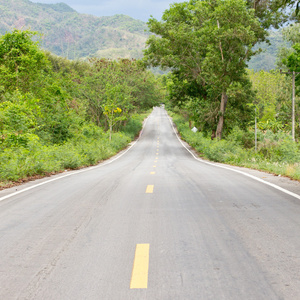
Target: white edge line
<point>75,172</point>
<point>237,171</point>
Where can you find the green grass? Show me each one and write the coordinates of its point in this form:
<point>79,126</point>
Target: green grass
<point>88,147</point>
<point>277,153</point>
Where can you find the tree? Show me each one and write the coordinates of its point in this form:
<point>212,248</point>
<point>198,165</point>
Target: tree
<point>22,62</point>
<point>139,86</point>
<point>291,35</point>
<point>271,13</point>
<point>293,64</point>
<point>112,110</point>
<point>208,42</point>
<point>272,98</point>
<point>292,3</point>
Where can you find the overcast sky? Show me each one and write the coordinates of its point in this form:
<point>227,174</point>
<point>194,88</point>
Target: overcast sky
<point>138,9</point>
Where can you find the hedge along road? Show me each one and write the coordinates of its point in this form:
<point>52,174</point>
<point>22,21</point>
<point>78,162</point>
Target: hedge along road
<point>152,224</point>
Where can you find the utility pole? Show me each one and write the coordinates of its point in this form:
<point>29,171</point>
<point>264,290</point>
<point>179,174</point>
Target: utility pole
<point>255,131</point>
<point>293,100</point>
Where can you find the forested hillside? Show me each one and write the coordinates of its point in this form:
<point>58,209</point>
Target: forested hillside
<point>266,60</point>
<point>73,35</point>
<point>70,34</point>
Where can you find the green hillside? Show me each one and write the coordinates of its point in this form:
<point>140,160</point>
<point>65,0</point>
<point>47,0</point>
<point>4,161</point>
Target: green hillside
<point>73,35</point>
<point>266,60</point>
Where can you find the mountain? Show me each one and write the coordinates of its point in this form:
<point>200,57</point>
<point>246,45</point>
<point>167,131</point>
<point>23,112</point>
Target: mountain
<point>266,60</point>
<point>73,35</point>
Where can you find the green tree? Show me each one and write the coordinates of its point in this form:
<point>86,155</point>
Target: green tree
<point>139,86</point>
<point>291,35</point>
<point>206,42</point>
<point>293,64</point>
<point>22,62</point>
<point>271,13</point>
<point>272,99</point>
<point>112,110</point>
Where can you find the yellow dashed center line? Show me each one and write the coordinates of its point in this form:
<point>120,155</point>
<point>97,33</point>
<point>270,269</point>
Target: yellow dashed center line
<point>139,277</point>
<point>152,173</point>
<point>149,189</point>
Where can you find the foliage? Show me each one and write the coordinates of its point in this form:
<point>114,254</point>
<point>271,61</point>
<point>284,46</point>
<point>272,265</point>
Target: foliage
<point>58,117</point>
<point>115,97</point>
<point>206,44</point>
<point>291,3</point>
<point>273,93</point>
<point>293,64</point>
<point>272,13</point>
<point>21,61</point>
<point>277,152</point>
<point>36,158</point>
<point>292,36</point>
<point>292,33</point>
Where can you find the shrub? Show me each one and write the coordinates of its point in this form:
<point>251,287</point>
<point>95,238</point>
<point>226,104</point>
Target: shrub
<point>277,152</point>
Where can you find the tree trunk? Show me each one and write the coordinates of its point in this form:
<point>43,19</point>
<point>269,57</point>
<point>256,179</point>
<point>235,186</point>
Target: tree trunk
<point>224,99</point>
<point>110,130</point>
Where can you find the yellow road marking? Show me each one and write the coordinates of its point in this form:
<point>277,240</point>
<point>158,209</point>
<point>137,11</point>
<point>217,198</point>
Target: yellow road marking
<point>155,161</point>
<point>154,166</point>
<point>152,173</point>
<point>149,189</point>
<point>139,277</point>
<point>156,157</point>
<point>156,153</point>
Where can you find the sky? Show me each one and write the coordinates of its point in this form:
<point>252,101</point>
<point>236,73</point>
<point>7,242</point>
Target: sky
<point>137,9</point>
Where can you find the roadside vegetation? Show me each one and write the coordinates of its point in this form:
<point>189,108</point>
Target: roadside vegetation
<point>270,101</point>
<point>276,152</point>
<point>57,114</point>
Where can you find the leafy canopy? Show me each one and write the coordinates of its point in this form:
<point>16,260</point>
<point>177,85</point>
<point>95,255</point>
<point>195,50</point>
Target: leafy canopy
<point>206,42</point>
<point>22,62</point>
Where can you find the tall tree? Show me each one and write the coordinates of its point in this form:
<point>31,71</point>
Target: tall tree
<point>208,42</point>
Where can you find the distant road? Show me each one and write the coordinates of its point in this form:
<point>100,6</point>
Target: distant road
<point>152,224</point>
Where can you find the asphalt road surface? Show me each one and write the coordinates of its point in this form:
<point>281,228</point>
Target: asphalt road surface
<point>154,223</point>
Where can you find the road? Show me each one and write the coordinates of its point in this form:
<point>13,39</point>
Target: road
<point>154,223</point>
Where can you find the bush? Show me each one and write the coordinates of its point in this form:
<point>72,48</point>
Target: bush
<point>277,152</point>
<point>278,147</point>
<point>87,147</point>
